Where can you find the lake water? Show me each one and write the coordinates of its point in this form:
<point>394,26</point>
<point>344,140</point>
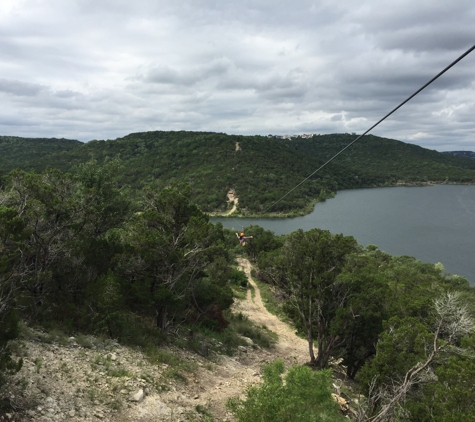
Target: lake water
<point>432,223</point>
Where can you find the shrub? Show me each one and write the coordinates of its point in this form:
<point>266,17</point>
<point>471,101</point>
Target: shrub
<point>302,395</point>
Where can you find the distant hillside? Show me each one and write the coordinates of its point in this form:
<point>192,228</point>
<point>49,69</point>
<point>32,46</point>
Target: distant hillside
<point>32,153</point>
<point>392,160</point>
<point>259,169</point>
<point>466,154</point>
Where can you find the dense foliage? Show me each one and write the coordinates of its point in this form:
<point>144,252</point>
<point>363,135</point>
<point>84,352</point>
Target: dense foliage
<point>77,254</point>
<point>386,161</point>
<point>302,395</point>
<point>259,169</point>
<point>400,326</point>
<point>33,153</point>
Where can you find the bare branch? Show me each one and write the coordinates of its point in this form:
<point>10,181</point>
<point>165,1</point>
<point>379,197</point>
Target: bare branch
<point>452,321</point>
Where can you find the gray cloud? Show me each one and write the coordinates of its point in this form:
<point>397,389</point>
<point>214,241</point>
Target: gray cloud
<point>20,88</point>
<point>101,69</point>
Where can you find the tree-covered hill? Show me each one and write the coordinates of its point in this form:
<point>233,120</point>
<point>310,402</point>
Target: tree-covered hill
<point>466,154</point>
<point>33,153</point>
<point>388,158</point>
<point>260,169</point>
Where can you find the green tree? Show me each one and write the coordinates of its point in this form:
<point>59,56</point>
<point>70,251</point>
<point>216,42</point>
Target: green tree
<point>262,241</point>
<point>408,355</point>
<point>67,247</point>
<point>167,248</point>
<point>12,270</point>
<point>359,321</point>
<point>450,399</point>
<point>312,262</point>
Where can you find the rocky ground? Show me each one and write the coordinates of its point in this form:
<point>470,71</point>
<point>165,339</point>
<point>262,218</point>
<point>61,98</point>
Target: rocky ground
<point>85,379</point>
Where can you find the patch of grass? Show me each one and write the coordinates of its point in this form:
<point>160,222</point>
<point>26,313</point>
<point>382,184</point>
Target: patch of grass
<point>239,292</point>
<point>18,348</point>
<point>253,291</point>
<point>203,415</point>
<point>23,383</point>
<point>260,336</point>
<point>118,372</point>
<point>26,332</point>
<point>84,341</point>
<point>116,404</point>
<point>147,377</point>
<point>38,364</point>
<point>56,336</point>
<point>92,394</point>
<point>204,411</point>
<point>272,304</point>
<point>176,367</point>
<point>159,356</point>
<point>176,373</point>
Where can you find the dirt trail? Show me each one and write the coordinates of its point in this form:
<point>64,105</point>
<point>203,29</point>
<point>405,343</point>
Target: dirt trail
<point>233,375</point>
<point>289,347</point>
<point>232,199</point>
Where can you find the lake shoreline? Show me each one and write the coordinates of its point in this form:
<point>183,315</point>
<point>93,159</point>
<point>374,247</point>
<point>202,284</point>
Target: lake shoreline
<point>432,225</point>
<point>311,206</point>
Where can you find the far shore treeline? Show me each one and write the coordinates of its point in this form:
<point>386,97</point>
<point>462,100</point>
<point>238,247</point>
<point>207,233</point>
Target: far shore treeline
<point>113,238</point>
<point>259,169</point>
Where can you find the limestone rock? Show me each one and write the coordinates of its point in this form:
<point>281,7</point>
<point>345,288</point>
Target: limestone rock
<point>138,396</point>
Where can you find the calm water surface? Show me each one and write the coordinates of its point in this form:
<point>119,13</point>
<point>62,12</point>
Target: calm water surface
<point>433,224</point>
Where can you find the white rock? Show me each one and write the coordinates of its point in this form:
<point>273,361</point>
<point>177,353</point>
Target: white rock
<point>138,396</point>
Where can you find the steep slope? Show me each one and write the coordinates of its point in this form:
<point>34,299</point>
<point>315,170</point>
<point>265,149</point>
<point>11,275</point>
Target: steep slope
<point>99,382</point>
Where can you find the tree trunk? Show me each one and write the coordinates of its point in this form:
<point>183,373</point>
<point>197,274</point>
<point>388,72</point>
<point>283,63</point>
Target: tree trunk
<point>310,345</point>
<point>309,333</point>
<point>162,319</point>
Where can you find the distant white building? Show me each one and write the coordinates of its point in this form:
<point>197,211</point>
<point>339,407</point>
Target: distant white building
<point>287,136</point>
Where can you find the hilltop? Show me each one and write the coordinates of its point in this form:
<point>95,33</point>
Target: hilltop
<point>259,169</point>
<point>466,154</point>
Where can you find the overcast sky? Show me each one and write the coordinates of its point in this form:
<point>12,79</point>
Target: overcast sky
<point>101,69</point>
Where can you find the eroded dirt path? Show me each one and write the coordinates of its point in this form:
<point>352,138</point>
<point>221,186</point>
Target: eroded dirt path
<point>233,375</point>
<point>289,348</point>
<point>232,199</point>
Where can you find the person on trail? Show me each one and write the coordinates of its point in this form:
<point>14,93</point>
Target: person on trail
<point>242,238</point>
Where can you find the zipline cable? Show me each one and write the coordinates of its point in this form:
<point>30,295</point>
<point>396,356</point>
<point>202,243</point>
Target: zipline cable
<point>376,124</point>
